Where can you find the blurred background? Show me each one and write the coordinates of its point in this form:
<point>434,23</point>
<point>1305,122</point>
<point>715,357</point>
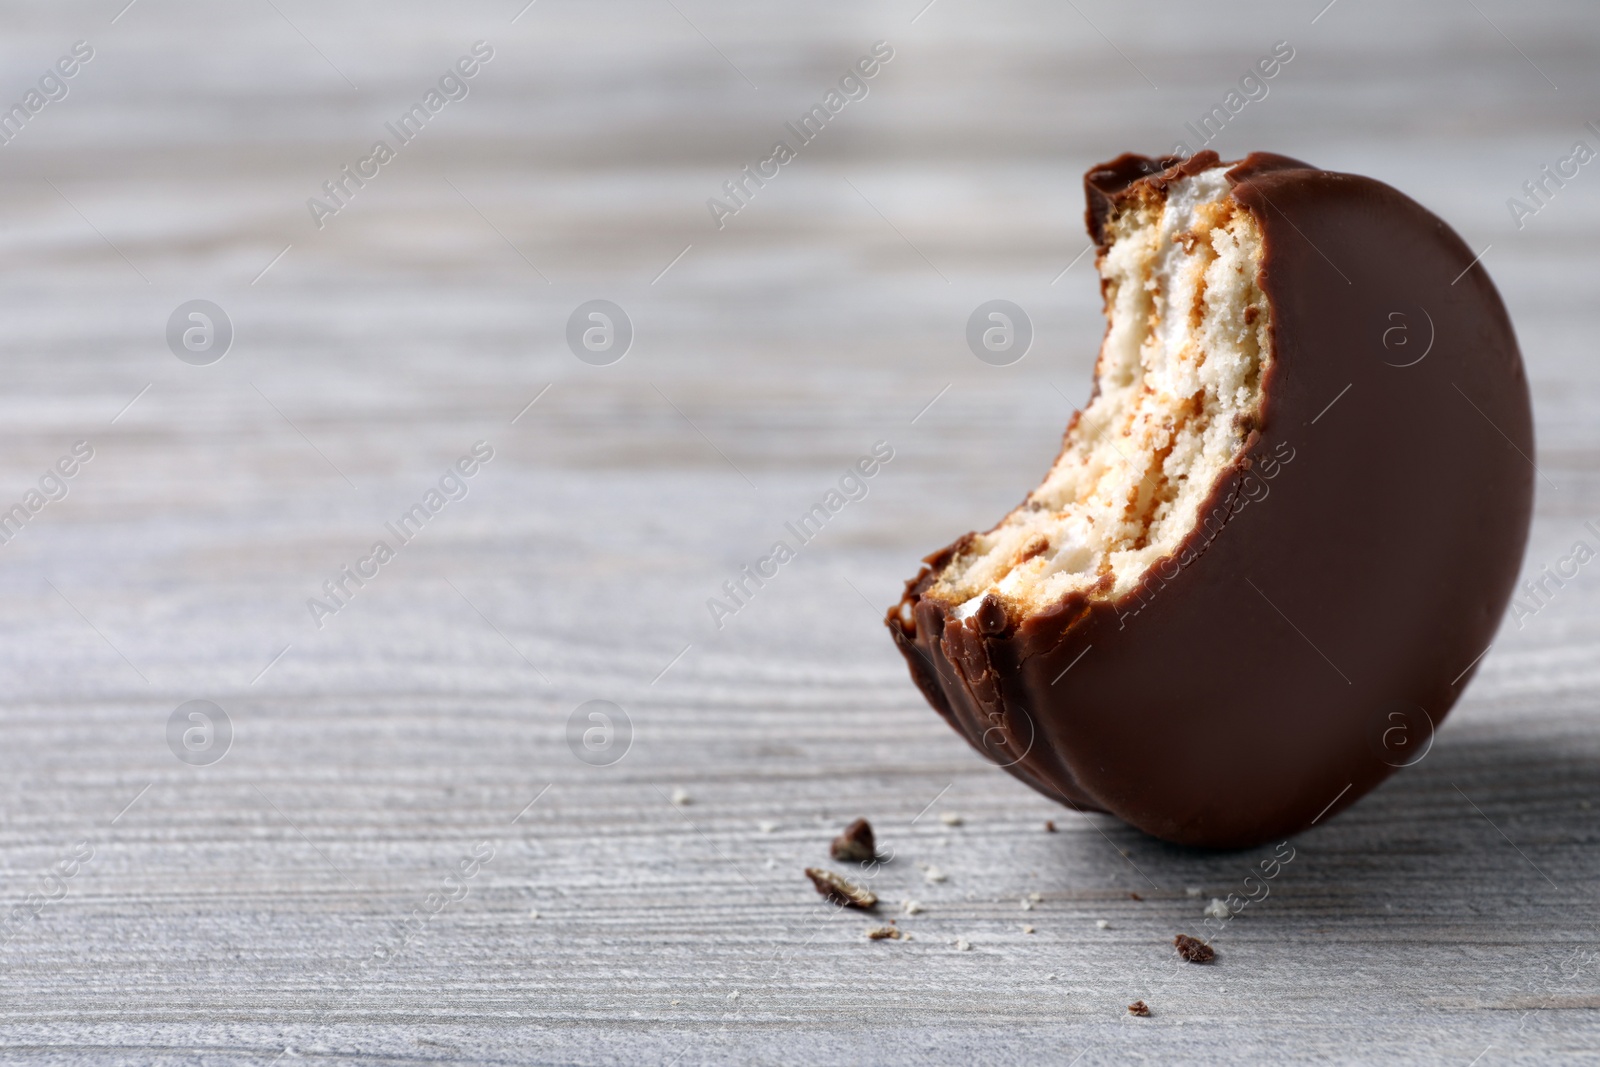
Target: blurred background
<point>275,878</point>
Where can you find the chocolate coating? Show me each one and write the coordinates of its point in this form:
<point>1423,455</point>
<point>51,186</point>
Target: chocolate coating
<point>1301,643</point>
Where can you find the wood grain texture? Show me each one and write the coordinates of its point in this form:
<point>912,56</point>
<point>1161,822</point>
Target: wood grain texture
<point>268,902</point>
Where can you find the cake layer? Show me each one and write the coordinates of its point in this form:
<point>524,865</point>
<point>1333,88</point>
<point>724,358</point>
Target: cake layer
<point>1177,392</point>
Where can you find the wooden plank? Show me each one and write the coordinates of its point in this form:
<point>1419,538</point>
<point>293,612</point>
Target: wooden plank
<point>285,896</point>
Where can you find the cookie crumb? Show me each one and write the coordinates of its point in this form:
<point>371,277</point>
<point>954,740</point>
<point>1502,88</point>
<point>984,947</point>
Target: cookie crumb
<point>886,933</point>
<point>1139,1008</point>
<point>911,907</point>
<point>950,818</point>
<point>856,844</point>
<point>766,826</point>
<point>841,891</point>
<point>1027,905</point>
<point>681,797</point>
<point>1217,909</point>
<point>934,874</point>
<point>533,913</point>
<point>1049,826</point>
<point>1192,890</point>
<point>1193,949</point>
<point>1035,897</point>
<point>1027,929</point>
<point>1102,924</point>
<point>963,945</point>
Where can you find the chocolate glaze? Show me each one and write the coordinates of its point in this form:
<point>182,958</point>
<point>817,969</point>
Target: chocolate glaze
<point>1355,560</point>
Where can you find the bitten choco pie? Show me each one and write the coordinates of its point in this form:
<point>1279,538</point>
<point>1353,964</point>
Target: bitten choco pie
<point>1279,536</point>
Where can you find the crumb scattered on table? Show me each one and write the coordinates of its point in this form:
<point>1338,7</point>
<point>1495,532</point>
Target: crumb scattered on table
<point>1193,949</point>
<point>911,907</point>
<point>681,797</point>
<point>766,826</point>
<point>1139,1008</point>
<point>963,945</point>
<point>856,844</point>
<point>1192,890</point>
<point>1217,909</point>
<point>1102,924</point>
<point>1134,896</point>
<point>1027,929</point>
<point>839,890</point>
<point>933,874</point>
<point>1050,826</point>
<point>950,818</point>
<point>886,933</point>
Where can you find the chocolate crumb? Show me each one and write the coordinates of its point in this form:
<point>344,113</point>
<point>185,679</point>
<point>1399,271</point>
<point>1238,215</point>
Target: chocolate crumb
<point>1050,826</point>
<point>1250,314</point>
<point>1134,896</point>
<point>1193,949</point>
<point>840,891</point>
<point>856,844</point>
<point>1139,1008</point>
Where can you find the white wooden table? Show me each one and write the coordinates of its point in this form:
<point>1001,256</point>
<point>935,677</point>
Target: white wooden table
<point>293,900</point>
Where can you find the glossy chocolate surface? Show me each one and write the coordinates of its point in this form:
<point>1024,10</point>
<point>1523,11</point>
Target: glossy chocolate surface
<point>1354,561</point>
